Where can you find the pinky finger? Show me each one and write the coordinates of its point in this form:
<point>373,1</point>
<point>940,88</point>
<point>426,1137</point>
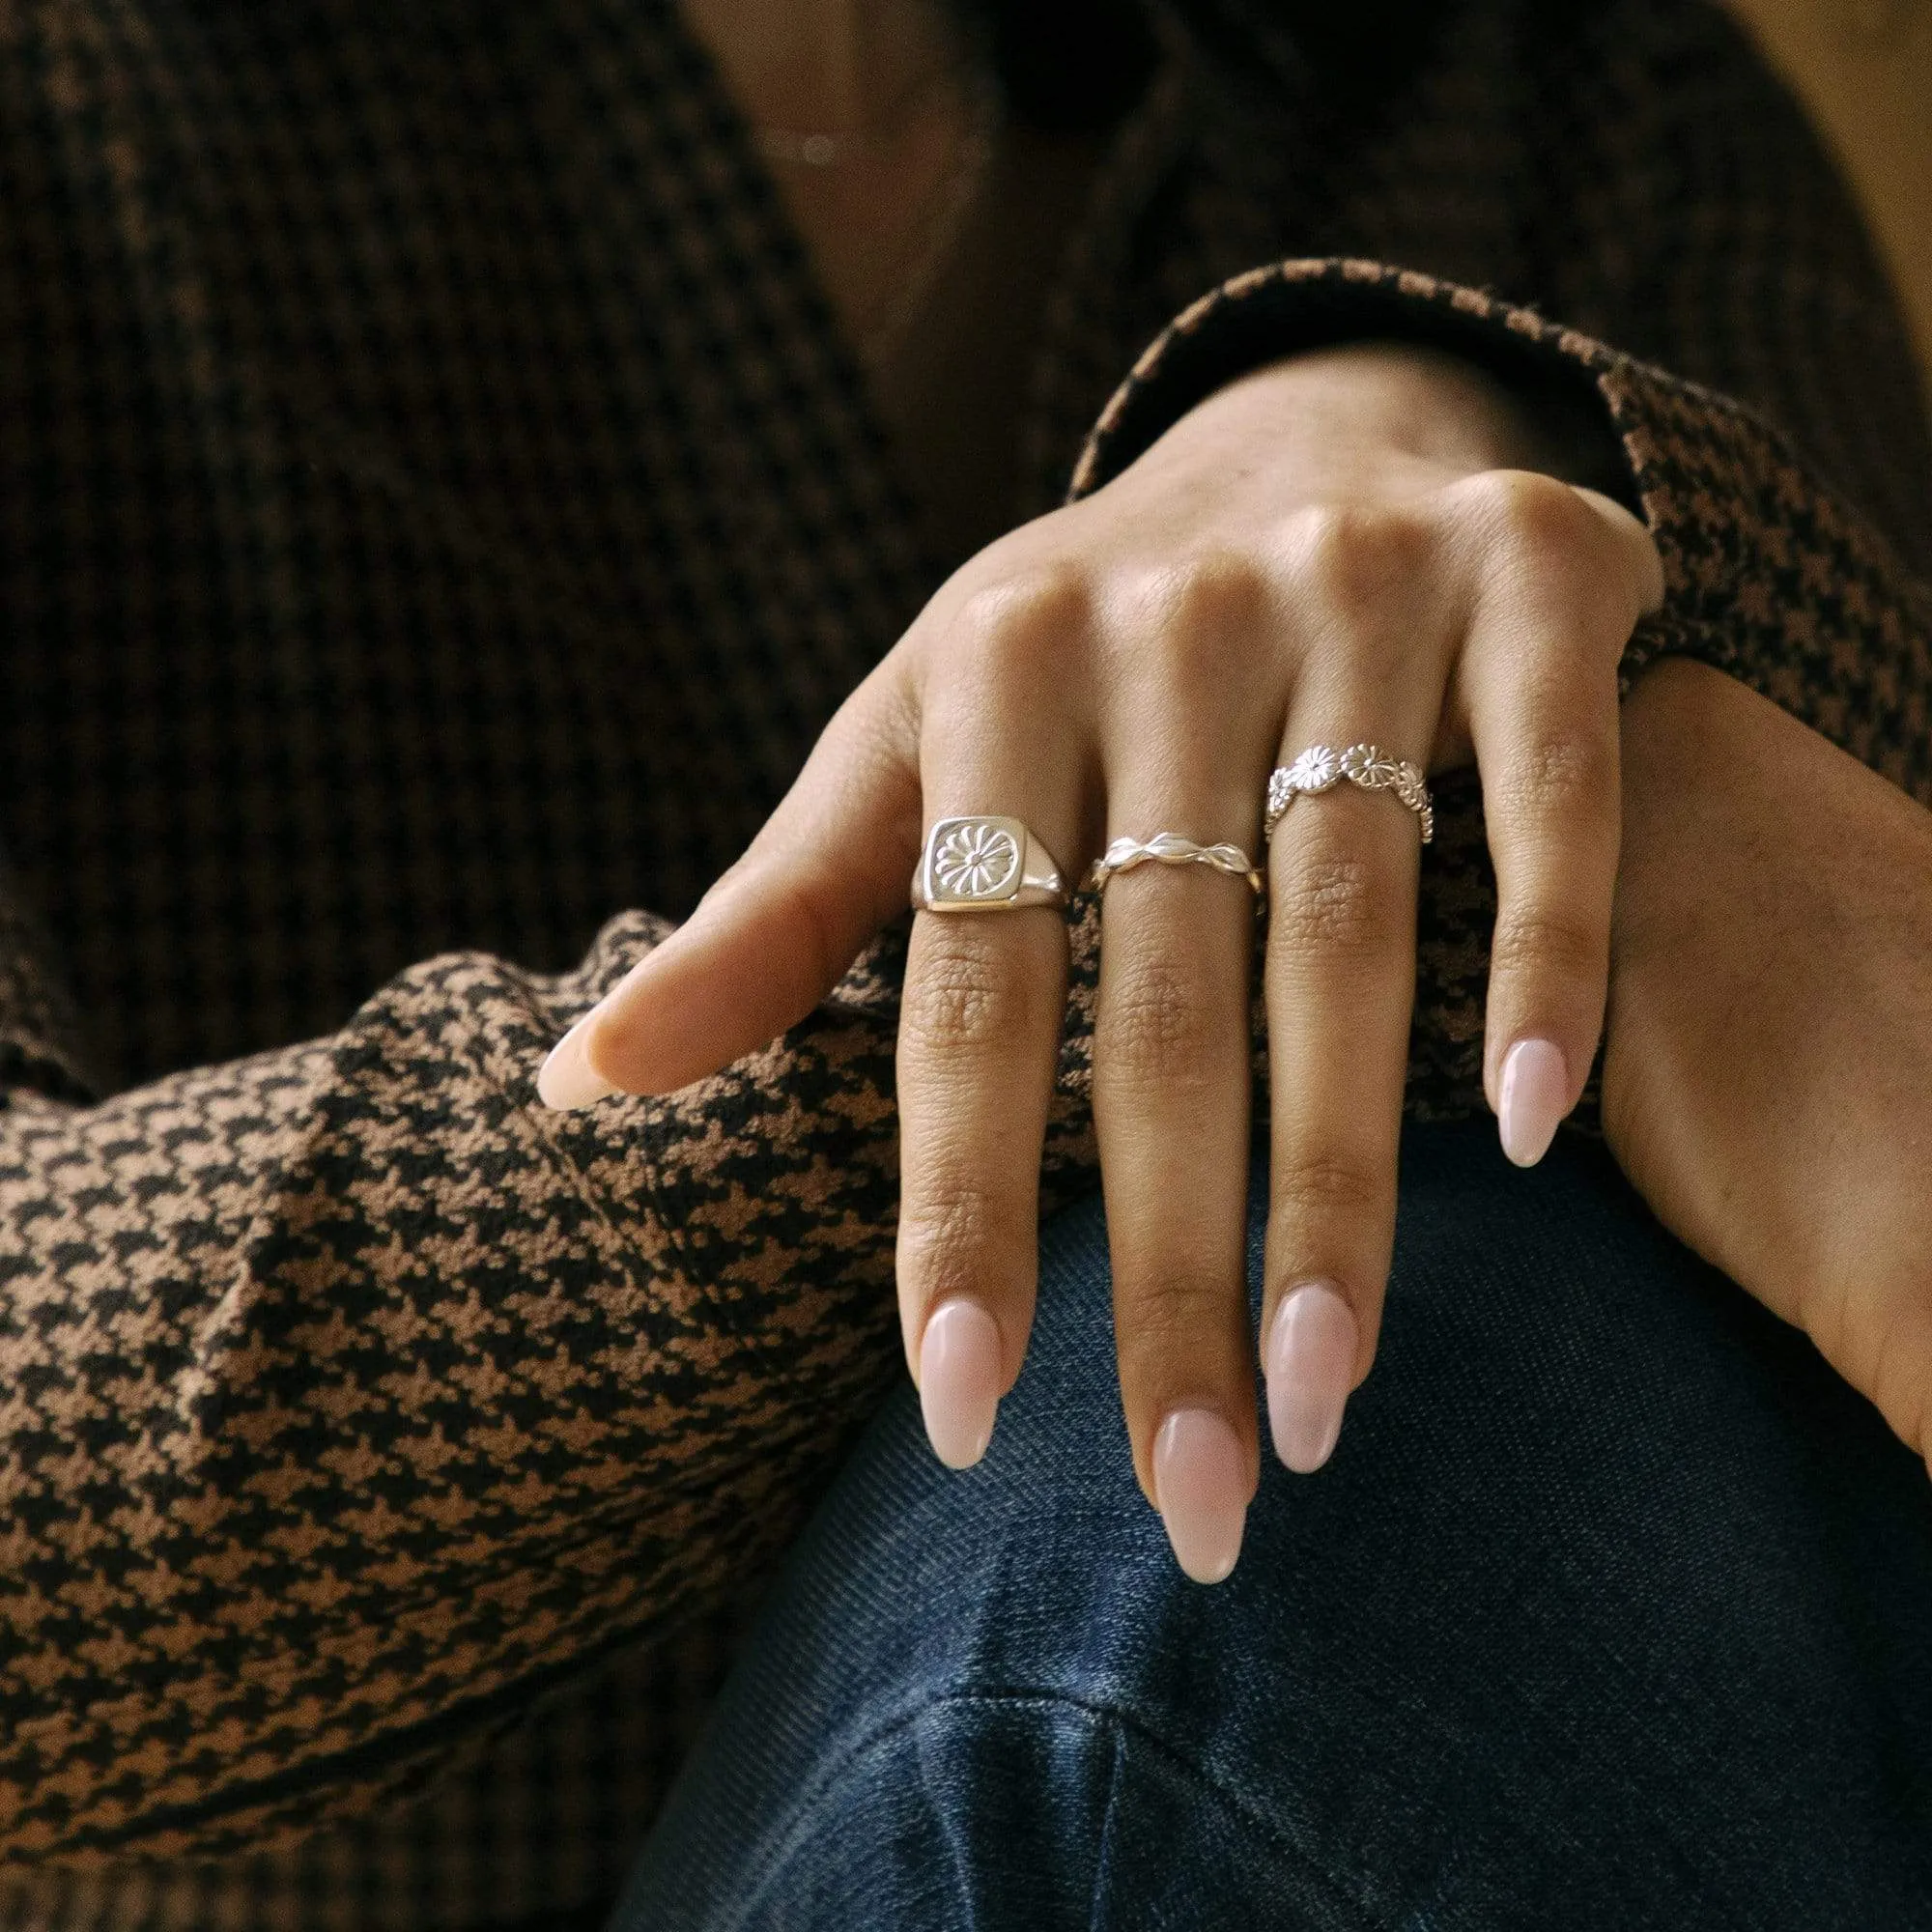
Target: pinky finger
<point>1546,748</point>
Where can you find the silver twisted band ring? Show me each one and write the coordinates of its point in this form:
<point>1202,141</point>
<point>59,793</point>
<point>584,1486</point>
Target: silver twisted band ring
<point>986,864</point>
<point>1322,766</point>
<point>1169,848</point>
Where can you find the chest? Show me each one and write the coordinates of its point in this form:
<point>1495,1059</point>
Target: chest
<point>451,521</point>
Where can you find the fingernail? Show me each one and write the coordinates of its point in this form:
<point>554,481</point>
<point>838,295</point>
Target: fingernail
<point>566,1079</point>
<point>961,1376</point>
<point>1201,1482</point>
<point>1535,1097</point>
<point>1310,1366</point>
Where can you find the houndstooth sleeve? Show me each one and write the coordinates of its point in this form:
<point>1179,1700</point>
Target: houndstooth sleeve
<point>348,1398</point>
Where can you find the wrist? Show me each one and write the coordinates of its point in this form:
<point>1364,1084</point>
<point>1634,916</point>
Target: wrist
<point>1409,402</point>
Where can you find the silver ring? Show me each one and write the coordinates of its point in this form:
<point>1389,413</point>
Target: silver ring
<point>985,864</point>
<point>1322,766</point>
<point>1169,848</point>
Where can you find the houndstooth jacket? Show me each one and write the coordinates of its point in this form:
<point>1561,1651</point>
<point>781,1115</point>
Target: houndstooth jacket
<point>436,509</point>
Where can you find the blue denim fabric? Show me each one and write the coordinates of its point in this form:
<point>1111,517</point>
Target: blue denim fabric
<point>1613,1608</point>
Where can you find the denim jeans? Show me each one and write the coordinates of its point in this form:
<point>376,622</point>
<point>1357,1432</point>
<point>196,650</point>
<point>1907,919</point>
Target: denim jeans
<point>1613,1608</point>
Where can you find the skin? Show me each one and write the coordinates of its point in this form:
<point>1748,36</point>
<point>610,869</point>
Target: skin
<point>1369,543</point>
<point>949,387</point>
<point>884,70</point>
<point>1773,1105</point>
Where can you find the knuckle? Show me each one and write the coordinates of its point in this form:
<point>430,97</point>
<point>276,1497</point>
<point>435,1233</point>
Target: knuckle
<point>948,1225</point>
<point>1354,556</point>
<point>1565,775</point>
<point>1317,1184</point>
<point>1329,902</point>
<point>1029,620</point>
<point>1171,1311</point>
<point>1548,943</point>
<point>1537,515</point>
<point>962,999</point>
<point>1204,601</point>
<point>809,910</point>
<point>1157,1025</point>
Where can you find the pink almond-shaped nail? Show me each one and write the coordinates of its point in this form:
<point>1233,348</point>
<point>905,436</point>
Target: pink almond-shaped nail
<point>962,1374</point>
<point>1533,1097</point>
<point>1311,1367</point>
<point>1201,1482</point>
<point>567,1079</point>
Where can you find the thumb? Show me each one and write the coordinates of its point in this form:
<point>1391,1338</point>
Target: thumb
<point>833,863</point>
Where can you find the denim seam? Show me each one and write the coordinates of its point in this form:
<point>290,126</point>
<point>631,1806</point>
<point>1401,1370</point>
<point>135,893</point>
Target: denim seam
<point>788,1837</point>
<point>1103,1862</point>
<point>957,1849</point>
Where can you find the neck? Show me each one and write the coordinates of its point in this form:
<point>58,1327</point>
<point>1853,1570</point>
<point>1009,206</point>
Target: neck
<point>842,66</point>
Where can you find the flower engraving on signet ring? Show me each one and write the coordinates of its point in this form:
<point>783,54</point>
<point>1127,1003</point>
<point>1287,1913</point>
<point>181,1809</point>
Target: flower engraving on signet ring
<point>975,860</point>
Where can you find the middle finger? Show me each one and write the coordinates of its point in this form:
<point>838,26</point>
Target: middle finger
<point>1171,1110</point>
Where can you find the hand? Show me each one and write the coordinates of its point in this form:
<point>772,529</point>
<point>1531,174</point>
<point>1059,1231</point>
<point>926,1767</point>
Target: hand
<point>1349,547</point>
<point>1768,1072</point>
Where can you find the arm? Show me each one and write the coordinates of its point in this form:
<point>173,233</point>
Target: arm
<point>1768,1078</point>
<point>351,1400</point>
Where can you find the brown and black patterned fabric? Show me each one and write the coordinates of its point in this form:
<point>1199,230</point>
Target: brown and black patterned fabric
<point>436,510</point>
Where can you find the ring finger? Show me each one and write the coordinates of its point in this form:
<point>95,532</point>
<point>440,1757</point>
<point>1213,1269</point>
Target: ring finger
<point>1343,869</point>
